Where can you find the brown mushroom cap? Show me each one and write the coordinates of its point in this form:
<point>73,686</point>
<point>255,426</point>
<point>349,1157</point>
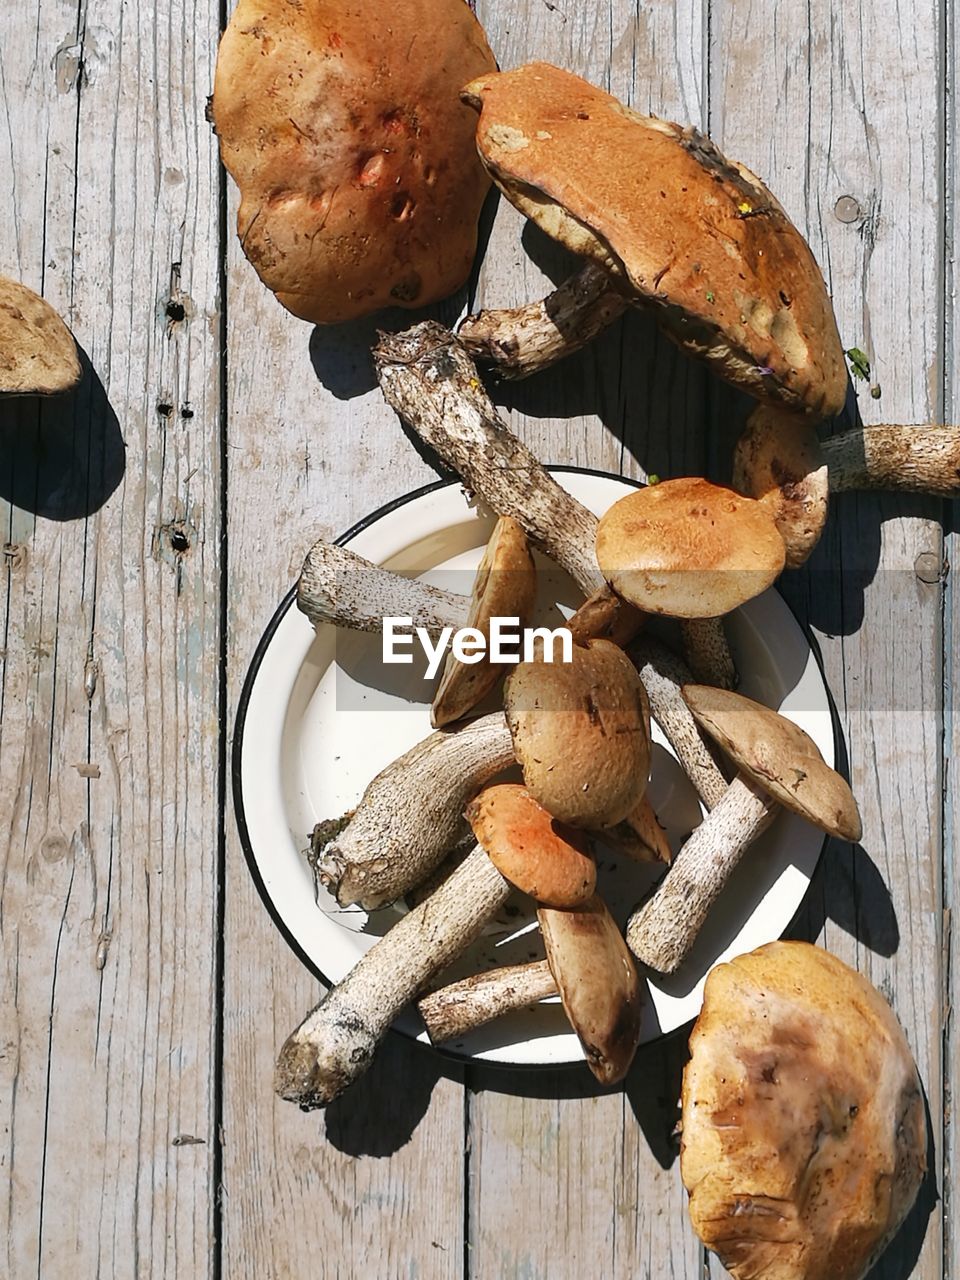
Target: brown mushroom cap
<point>530,848</point>
<point>581,733</point>
<point>597,979</point>
<point>804,1135</point>
<point>505,587</point>
<point>359,182</point>
<point>778,460</point>
<point>688,548</point>
<point>778,757</point>
<point>38,355</point>
<point>681,226</point>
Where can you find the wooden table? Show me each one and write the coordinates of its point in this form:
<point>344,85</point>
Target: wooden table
<point>156,518</point>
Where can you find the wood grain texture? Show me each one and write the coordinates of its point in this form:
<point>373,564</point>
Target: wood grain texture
<point>109,734</point>
<point>559,1151</point>
<point>850,111</point>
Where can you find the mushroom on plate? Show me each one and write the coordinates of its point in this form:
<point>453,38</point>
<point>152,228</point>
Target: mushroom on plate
<point>38,355</point>
<point>779,764</point>
<point>336,1042</point>
<point>675,224</point>
<point>804,1133</point>
<point>359,183</point>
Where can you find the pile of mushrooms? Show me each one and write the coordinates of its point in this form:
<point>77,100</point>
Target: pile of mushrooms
<point>361,188</point>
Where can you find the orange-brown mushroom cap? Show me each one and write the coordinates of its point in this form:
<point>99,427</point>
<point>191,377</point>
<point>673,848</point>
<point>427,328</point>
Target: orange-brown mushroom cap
<point>778,756</point>
<point>683,227</point>
<point>688,548</point>
<point>530,848</point>
<point>804,1134</point>
<point>359,183</point>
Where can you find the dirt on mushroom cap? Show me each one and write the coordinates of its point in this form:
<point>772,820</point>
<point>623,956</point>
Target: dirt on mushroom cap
<point>690,230</point>
<point>360,186</point>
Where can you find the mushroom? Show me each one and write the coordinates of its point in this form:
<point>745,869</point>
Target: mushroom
<point>359,183</point>
<point>38,355</point>
<point>678,227</point>
<point>537,854</point>
<point>336,1042</point>
<point>410,815</point>
<point>431,382</point>
<point>780,461</point>
<point>598,984</point>
<point>452,1011</point>
<point>505,587</point>
<point>779,764</point>
<point>804,1132</point>
<point>338,586</point>
<point>581,733</point>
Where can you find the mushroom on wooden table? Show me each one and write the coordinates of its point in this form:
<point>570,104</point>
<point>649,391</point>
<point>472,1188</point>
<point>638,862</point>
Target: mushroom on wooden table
<point>804,1128</point>
<point>359,183</point>
<point>780,461</point>
<point>38,355</point>
<point>779,764</point>
<point>676,226</point>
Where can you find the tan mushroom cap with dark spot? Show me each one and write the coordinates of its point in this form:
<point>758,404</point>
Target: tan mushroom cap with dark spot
<point>804,1133</point>
<point>688,548</point>
<point>778,461</point>
<point>778,756</point>
<point>530,848</point>
<point>581,733</point>
<point>505,587</point>
<point>359,181</point>
<point>38,355</point>
<point>598,984</point>
<point>684,228</point>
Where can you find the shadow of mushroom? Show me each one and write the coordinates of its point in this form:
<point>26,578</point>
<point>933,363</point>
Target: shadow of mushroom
<point>848,889</point>
<point>61,457</point>
<point>378,1115</point>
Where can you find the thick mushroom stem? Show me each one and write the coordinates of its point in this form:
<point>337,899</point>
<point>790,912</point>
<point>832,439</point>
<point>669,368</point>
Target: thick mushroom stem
<point>431,382</point>
<point>335,1044</point>
<point>462,1007</point>
<point>411,814</point>
<point>521,341</point>
<point>340,587</point>
<point>918,459</point>
<point>663,675</point>
<point>662,932</point>
<point>707,652</point>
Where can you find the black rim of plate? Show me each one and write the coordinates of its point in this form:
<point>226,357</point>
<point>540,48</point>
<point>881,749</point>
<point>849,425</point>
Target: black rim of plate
<point>237,758</point>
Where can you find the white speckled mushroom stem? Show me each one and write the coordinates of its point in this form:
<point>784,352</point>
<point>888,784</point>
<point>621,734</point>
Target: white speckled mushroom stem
<point>428,378</point>
<point>918,459</point>
<point>707,652</point>
<point>411,814</point>
<point>663,675</point>
<point>462,1007</point>
<point>662,932</point>
<point>335,1044</point>
<point>520,341</point>
<point>338,586</point>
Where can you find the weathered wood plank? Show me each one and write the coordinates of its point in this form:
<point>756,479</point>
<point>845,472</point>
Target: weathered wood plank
<point>832,104</point>
<point>376,1181</point>
<point>561,1180</point>
<point>108,721</point>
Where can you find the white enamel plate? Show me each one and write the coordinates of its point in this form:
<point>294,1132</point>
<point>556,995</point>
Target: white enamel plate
<point>320,716</point>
